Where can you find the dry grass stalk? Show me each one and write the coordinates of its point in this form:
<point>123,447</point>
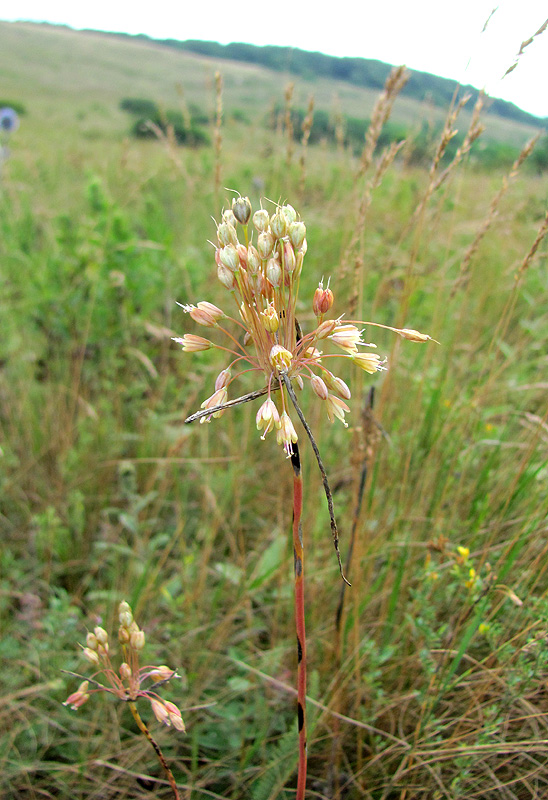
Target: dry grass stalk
<point>306,130</point>
<point>288,121</point>
<point>357,281</point>
<point>338,124</point>
<point>524,45</point>
<point>526,263</point>
<point>217,135</point>
<point>383,107</point>
<point>435,181</point>
<point>383,164</point>
<point>187,119</point>
<point>169,143</point>
<point>464,274</point>
<point>474,132</point>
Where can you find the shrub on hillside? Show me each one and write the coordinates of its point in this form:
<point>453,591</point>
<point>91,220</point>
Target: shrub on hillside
<point>150,119</point>
<point>139,106</point>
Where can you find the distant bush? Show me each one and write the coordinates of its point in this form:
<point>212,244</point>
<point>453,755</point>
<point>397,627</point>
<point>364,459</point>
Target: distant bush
<point>139,106</point>
<point>239,115</point>
<point>186,129</point>
<point>323,128</point>
<point>539,157</point>
<point>190,137</point>
<point>492,155</point>
<point>19,108</point>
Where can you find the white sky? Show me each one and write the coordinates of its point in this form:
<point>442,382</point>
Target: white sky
<point>437,36</point>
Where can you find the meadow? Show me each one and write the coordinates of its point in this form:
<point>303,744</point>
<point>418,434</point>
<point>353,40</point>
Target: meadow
<point>430,680</point>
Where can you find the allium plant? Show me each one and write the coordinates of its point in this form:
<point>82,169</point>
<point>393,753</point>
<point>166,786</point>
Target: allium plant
<point>261,266</point>
<point>130,682</point>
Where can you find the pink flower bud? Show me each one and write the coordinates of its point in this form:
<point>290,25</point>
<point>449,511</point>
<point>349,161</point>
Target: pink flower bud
<point>253,259</point>
<point>273,273</point>
<point>289,213</point>
<point>222,379</point>
<point>78,698</point>
<point>326,328</point>
<point>226,277</point>
<point>415,336</point>
<point>90,655</point>
<point>175,717</point>
<point>230,258</point>
<point>101,635</point>
<point>319,387</point>
<point>125,671</point>
<point>265,243</point>
<point>226,234</point>
<point>242,254</point>
<point>289,260</point>
<point>279,224</point>
<point>323,300</point>
<point>137,640</point>
<point>261,220</point>
<point>297,233</point>
<point>228,216</point>
<point>337,385</point>
<point>160,711</point>
<point>123,634</point>
<point>205,314</point>
<point>190,344</point>
<point>162,673</point>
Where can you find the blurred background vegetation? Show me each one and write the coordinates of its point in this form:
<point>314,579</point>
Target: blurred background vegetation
<point>435,684</point>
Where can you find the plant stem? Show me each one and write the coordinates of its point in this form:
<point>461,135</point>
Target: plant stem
<point>298,555</point>
<point>327,490</point>
<point>145,731</point>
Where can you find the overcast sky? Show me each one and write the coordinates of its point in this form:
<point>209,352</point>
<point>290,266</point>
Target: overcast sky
<point>437,36</point>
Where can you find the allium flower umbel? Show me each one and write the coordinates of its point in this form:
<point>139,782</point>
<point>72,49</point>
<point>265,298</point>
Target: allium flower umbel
<point>259,260</point>
<point>130,681</point>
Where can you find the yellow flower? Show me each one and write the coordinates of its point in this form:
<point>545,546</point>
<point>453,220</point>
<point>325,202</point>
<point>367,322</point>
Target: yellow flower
<point>370,362</point>
<point>472,578</point>
<point>286,434</point>
<point>347,337</point>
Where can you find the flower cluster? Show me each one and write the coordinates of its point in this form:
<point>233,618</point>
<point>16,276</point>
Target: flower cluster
<point>127,682</point>
<point>9,121</point>
<point>259,260</point>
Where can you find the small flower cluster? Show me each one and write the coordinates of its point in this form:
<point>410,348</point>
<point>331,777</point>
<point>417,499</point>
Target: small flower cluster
<point>127,682</point>
<point>9,121</point>
<point>262,272</point>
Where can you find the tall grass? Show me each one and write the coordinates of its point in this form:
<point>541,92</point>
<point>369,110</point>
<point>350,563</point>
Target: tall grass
<point>435,684</point>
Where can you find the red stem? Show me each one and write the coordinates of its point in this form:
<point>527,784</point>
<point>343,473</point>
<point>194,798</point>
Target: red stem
<point>299,618</point>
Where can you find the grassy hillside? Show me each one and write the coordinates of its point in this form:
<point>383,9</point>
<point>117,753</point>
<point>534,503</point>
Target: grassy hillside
<point>429,680</point>
<point>69,78</point>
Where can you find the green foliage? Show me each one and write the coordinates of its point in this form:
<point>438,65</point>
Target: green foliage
<point>139,106</point>
<point>192,136</point>
<point>151,119</point>
<point>18,107</point>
